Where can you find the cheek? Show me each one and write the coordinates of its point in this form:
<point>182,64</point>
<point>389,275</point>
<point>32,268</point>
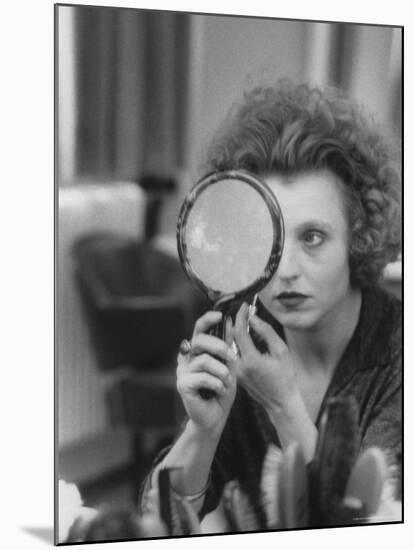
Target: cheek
<point>332,269</point>
<point>266,293</point>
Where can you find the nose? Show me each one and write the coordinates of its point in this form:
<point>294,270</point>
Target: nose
<point>289,265</point>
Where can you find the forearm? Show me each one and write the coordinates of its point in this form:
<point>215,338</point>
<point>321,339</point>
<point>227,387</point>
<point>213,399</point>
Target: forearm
<point>190,461</point>
<point>293,423</point>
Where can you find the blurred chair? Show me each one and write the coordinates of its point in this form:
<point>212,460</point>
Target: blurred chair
<point>139,305</point>
<point>88,446</point>
<point>136,299</point>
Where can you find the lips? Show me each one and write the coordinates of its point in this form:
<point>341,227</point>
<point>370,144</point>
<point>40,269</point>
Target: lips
<point>291,299</point>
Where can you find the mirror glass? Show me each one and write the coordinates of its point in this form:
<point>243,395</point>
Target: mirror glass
<point>229,236</point>
<point>230,232</point>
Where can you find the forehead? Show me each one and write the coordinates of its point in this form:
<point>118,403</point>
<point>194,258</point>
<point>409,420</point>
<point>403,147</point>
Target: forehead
<point>308,196</point>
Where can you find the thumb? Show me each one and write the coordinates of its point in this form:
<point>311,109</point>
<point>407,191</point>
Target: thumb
<point>228,332</point>
<point>230,341</point>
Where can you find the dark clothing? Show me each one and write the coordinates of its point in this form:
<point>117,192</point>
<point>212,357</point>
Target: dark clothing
<point>370,370</point>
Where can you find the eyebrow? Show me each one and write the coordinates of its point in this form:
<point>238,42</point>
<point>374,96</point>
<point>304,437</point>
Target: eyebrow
<point>316,224</point>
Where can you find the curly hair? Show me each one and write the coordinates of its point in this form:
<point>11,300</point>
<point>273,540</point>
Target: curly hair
<point>290,128</point>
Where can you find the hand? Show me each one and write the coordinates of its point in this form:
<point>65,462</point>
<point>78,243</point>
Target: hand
<point>210,365</point>
<point>268,377</point>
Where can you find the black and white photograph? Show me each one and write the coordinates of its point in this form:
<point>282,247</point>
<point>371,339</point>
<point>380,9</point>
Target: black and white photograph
<point>228,274</point>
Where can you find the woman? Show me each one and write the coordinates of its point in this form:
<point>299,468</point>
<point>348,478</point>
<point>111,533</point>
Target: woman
<point>328,327</point>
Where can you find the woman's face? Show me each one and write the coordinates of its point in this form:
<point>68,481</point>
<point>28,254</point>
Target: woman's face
<point>312,281</point>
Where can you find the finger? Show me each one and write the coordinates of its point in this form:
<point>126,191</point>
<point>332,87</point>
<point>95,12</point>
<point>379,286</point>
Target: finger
<point>207,363</point>
<point>230,341</point>
<point>228,333</point>
<point>274,343</point>
<point>206,322</point>
<point>243,340</point>
<point>206,343</point>
<point>193,382</point>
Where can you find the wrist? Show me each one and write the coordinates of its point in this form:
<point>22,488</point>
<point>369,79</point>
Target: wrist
<point>202,436</point>
<point>293,423</point>
<point>190,460</point>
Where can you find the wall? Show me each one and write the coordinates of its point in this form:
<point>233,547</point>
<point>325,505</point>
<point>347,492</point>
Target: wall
<point>226,52</point>
<point>376,72</point>
<point>237,50</point>
<point>66,98</point>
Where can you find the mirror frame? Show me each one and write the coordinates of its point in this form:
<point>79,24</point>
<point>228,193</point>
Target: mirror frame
<point>278,232</point>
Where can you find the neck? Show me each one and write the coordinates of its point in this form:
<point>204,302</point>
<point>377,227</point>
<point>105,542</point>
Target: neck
<point>323,345</point>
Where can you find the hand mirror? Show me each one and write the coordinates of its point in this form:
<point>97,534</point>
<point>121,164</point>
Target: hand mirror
<point>230,237</point>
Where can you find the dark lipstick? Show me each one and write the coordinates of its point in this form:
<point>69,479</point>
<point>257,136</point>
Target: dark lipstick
<point>291,299</point>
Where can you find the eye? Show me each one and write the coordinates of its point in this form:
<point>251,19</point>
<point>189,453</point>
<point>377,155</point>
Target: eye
<point>313,238</point>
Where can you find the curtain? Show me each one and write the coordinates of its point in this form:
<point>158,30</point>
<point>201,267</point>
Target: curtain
<point>364,60</point>
<point>131,72</point>
<point>138,103</point>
